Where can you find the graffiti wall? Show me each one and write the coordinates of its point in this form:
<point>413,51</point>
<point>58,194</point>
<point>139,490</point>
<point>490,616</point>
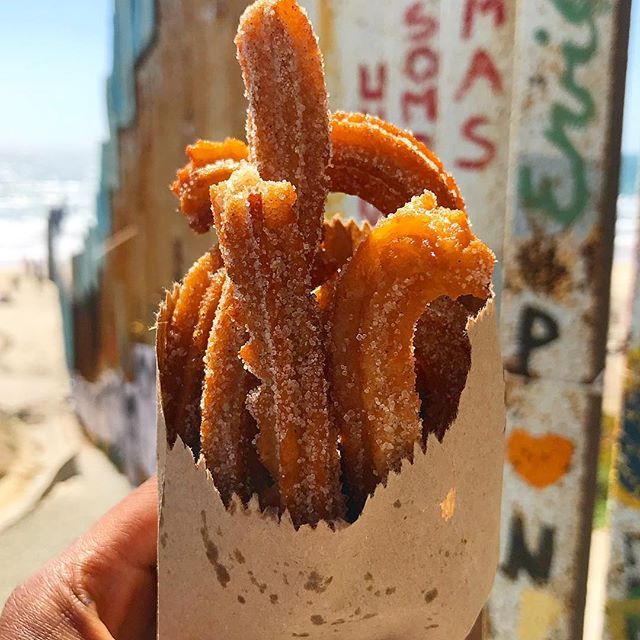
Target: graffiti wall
<point>473,132</point>
<point>441,69</point>
<point>117,414</point>
<point>623,584</point>
<point>623,597</point>
<point>555,307</point>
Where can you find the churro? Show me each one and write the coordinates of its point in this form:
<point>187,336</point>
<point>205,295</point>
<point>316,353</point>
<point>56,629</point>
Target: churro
<point>378,162</point>
<point>442,360</point>
<point>263,249</point>
<point>187,334</point>
<point>385,165</point>
<point>288,114</point>
<point>227,429</point>
<point>410,259</point>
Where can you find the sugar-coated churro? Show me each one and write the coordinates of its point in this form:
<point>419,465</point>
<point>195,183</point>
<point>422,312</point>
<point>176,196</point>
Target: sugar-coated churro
<point>227,429</point>
<point>385,165</point>
<point>410,259</point>
<point>288,114</point>
<point>263,249</point>
<point>187,334</point>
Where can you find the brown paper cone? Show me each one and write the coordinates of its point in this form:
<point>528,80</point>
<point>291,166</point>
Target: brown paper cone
<point>417,564</point>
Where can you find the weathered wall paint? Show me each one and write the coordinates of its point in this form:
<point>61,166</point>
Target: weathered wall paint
<point>541,531</point>
<point>382,58</point>
<point>117,413</point>
<point>440,69</point>
<point>474,98</point>
<point>555,307</point>
<point>623,585</point>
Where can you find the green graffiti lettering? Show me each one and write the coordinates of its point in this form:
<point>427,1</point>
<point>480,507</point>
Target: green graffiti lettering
<point>542,196</point>
<point>575,11</point>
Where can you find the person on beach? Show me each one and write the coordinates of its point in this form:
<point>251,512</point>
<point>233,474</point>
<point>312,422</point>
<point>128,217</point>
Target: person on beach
<point>102,588</point>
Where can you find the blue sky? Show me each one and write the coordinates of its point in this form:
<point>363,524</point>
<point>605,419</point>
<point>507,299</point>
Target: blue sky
<point>631,132</point>
<point>55,56</point>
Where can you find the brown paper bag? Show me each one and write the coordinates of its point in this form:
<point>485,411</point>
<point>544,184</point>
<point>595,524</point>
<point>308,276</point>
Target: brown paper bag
<point>417,564</point>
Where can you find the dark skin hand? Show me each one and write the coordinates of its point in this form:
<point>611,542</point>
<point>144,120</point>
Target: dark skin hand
<point>102,588</point>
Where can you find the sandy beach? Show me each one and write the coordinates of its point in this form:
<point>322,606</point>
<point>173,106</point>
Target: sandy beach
<point>53,482</point>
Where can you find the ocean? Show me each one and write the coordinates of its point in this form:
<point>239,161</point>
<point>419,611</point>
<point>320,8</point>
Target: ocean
<point>32,183</point>
<point>628,208</point>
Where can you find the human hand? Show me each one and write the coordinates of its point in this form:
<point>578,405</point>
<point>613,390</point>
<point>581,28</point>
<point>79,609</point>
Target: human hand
<point>102,588</point>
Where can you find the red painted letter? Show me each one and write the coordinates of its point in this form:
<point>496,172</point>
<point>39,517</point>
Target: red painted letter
<point>421,64</point>
<point>481,6</point>
<point>367,92</point>
<point>481,66</point>
<point>424,138</point>
<point>368,212</point>
<point>416,17</point>
<point>372,109</point>
<point>428,101</point>
<point>469,131</point>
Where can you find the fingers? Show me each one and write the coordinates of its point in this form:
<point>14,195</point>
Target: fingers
<point>46,607</point>
<point>116,564</point>
<point>103,587</point>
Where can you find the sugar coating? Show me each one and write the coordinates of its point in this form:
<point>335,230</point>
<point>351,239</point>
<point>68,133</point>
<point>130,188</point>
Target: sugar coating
<point>185,345</point>
<point>192,186</point>
<point>385,165</point>
<point>288,114</point>
<point>410,259</point>
<point>227,428</point>
<point>331,351</point>
<point>262,247</point>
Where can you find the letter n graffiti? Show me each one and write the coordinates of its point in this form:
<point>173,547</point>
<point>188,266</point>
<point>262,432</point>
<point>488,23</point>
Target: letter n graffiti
<point>536,563</point>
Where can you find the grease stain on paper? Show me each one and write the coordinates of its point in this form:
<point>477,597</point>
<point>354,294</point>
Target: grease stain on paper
<point>213,554</point>
<point>261,586</point>
<point>430,596</point>
<point>448,505</point>
<point>317,583</point>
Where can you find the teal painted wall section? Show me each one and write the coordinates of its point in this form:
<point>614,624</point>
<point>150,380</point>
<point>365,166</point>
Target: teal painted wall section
<point>134,29</point>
